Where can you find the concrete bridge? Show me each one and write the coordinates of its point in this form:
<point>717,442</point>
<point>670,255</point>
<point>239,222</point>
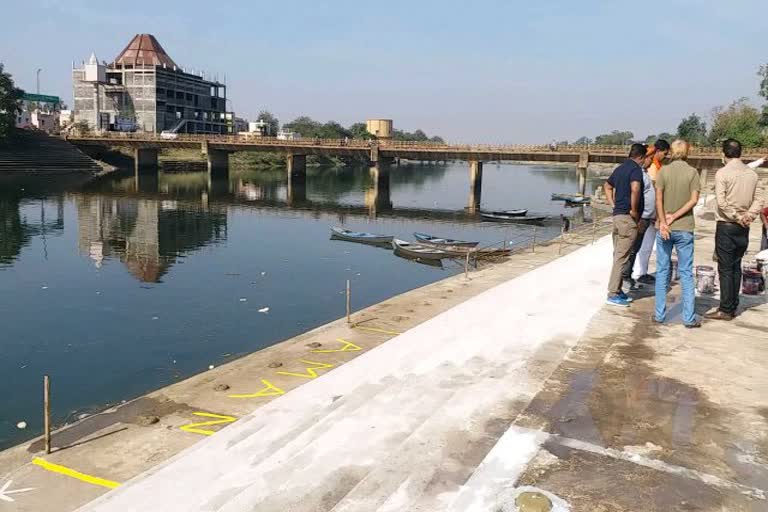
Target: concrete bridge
<point>380,154</point>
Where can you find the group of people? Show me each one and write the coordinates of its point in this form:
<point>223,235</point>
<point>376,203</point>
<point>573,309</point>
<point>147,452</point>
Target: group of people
<point>653,194</point>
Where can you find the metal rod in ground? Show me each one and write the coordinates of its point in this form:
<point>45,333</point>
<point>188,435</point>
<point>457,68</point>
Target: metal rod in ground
<point>349,303</point>
<point>533,244</point>
<point>466,266</point>
<point>47,412</point>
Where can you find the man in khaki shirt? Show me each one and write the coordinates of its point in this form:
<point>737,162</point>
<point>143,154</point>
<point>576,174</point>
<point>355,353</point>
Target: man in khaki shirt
<point>739,201</point>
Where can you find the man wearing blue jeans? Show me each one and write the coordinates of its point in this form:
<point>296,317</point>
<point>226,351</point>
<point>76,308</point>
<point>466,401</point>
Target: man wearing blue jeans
<point>677,192</point>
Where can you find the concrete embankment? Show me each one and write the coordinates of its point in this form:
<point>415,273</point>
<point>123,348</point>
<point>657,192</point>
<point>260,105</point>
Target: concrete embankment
<point>35,155</point>
<point>111,448</point>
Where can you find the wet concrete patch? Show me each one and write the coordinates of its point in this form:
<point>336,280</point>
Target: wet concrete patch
<point>134,412</point>
<point>594,483</point>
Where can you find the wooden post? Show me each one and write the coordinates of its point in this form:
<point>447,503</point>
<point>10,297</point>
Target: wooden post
<point>349,307</point>
<point>533,244</point>
<point>562,240</point>
<point>47,412</point>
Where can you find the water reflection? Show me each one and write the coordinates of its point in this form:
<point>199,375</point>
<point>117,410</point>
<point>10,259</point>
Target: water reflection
<point>17,230</point>
<point>147,235</point>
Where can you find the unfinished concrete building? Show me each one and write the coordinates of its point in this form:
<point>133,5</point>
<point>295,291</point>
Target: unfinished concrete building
<point>143,89</point>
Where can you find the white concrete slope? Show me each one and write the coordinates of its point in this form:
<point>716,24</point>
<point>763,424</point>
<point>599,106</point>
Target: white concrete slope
<point>403,426</point>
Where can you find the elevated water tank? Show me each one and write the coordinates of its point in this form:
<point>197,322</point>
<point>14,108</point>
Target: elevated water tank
<point>381,128</point>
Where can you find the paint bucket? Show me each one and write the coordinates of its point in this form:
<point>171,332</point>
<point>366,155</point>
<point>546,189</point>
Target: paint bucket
<point>705,279</point>
<point>751,281</point>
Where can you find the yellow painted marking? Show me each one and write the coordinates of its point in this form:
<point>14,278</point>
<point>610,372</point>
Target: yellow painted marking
<point>347,346</point>
<point>269,390</point>
<point>63,470</point>
<point>311,373</point>
<point>374,329</point>
<point>221,420</point>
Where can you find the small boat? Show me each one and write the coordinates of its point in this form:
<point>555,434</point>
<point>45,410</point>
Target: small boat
<point>360,237</point>
<point>512,213</point>
<point>419,251</point>
<point>578,201</point>
<point>499,217</point>
<point>442,242</point>
<point>572,198</point>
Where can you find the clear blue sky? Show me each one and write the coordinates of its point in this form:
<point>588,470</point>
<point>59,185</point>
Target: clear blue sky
<point>480,71</point>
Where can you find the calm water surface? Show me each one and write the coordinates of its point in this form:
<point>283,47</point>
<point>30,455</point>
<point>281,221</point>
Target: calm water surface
<point>120,287</point>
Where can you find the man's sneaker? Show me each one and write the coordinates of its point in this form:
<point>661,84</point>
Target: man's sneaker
<point>623,296</point>
<point>631,284</point>
<point>617,300</point>
<point>695,325</point>
<point>646,279</point>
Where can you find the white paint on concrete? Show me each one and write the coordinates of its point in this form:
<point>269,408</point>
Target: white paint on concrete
<point>412,411</point>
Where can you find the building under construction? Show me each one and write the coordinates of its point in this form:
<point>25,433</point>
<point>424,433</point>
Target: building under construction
<point>143,89</point>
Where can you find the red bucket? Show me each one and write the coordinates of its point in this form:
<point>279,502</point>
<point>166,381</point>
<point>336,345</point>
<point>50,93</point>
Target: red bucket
<point>751,281</point>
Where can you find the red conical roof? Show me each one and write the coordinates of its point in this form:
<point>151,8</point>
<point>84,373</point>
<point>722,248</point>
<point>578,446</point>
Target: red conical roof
<point>144,50</point>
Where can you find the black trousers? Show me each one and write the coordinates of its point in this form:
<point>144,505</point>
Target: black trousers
<point>642,227</point>
<point>731,242</point>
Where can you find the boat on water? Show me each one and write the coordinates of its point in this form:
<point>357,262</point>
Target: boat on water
<point>442,242</point>
<point>500,217</point>
<point>360,237</point>
<point>578,201</point>
<point>520,212</point>
<point>419,251</point>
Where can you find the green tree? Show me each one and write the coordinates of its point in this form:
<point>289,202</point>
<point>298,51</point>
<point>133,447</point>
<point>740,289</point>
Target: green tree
<point>739,121</point>
<point>10,103</point>
<point>615,138</point>
<point>583,141</point>
<point>359,131</point>
<point>304,126</point>
<point>693,130</point>
<point>763,92</point>
<point>273,123</point>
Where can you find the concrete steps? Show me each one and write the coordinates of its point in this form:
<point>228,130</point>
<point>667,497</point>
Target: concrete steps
<point>37,153</point>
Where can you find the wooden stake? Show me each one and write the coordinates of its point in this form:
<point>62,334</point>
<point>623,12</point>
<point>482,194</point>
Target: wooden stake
<point>533,245</point>
<point>349,303</point>
<point>47,412</point>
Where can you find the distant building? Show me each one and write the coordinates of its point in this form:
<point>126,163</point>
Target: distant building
<point>381,128</point>
<point>39,112</point>
<point>241,125</point>
<point>143,89</point>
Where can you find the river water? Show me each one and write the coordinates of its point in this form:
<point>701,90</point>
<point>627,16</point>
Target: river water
<point>119,287</point>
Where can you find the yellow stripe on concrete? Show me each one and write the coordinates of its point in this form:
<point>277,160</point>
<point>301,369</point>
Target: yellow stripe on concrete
<point>63,470</point>
<point>374,329</point>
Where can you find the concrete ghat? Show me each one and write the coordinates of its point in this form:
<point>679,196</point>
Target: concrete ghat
<point>402,426</point>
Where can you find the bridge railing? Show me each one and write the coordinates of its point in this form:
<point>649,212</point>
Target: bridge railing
<point>427,146</point>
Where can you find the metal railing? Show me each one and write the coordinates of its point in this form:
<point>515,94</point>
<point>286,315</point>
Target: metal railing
<point>427,146</point>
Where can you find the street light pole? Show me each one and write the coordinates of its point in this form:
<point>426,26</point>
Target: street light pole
<point>38,79</point>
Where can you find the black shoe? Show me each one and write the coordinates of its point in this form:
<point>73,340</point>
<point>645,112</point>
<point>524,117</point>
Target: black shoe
<point>646,279</point>
<point>695,325</point>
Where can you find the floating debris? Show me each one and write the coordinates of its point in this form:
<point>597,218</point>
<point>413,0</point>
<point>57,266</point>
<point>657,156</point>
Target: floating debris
<point>44,287</point>
<point>231,274</point>
<point>155,318</point>
<point>82,416</point>
<point>243,299</point>
<point>264,310</point>
<point>98,293</point>
<point>263,273</point>
<point>21,425</point>
<point>210,367</point>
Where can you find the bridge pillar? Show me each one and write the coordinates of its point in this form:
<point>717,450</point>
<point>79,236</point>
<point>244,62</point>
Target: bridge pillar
<point>581,171</point>
<point>145,160</point>
<point>218,163</point>
<point>147,182</point>
<point>475,185</point>
<point>297,179</point>
<point>377,197</point>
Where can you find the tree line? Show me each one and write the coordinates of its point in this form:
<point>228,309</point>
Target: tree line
<point>310,129</point>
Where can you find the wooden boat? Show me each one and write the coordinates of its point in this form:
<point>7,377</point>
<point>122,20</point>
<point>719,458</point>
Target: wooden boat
<point>360,237</point>
<point>442,242</point>
<point>499,217</point>
<point>572,198</point>
<point>512,213</point>
<point>418,251</point>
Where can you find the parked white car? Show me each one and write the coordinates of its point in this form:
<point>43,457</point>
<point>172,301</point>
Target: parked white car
<point>166,135</point>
